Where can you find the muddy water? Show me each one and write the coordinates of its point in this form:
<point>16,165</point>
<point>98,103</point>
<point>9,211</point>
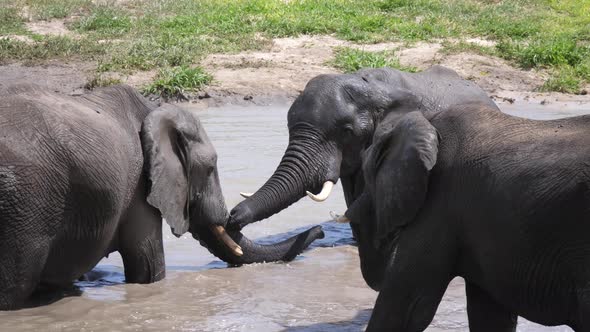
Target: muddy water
<point>321,290</point>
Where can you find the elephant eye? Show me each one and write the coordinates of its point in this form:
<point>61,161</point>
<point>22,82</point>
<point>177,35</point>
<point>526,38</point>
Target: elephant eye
<point>210,170</point>
<point>348,130</point>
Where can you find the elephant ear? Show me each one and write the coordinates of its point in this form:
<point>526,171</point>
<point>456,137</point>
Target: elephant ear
<point>166,164</point>
<point>397,167</point>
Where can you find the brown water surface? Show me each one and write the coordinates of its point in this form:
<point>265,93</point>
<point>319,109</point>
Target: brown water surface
<point>321,290</point>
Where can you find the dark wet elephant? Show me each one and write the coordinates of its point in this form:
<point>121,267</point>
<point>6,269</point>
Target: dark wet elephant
<point>502,201</point>
<point>81,177</point>
<point>333,121</point>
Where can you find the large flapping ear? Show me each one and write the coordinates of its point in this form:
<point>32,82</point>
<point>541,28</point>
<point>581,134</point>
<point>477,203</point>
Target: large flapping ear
<point>167,165</point>
<point>397,166</point>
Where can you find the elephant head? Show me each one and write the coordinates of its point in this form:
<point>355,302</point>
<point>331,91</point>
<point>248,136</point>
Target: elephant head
<point>330,124</point>
<point>396,169</point>
<point>181,167</point>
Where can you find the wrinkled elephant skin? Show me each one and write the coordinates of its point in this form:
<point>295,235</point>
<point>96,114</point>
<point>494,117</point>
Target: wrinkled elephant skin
<point>502,201</point>
<point>81,177</point>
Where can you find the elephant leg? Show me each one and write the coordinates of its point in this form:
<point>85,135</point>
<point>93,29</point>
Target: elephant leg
<point>144,259</point>
<point>140,245</point>
<point>485,314</point>
<point>21,265</point>
<point>580,320</point>
<point>413,285</point>
<point>406,306</point>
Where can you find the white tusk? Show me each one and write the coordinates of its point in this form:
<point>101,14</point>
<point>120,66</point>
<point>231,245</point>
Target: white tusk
<point>222,235</point>
<point>339,218</point>
<point>323,195</point>
<point>246,195</point>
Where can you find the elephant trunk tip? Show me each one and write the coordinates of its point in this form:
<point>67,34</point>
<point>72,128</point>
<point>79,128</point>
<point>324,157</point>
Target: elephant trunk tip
<point>235,249</point>
<point>317,232</point>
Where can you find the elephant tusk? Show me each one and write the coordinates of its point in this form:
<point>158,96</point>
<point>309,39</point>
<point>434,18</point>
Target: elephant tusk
<point>222,235</point>
<point>323,195</point>
<point>246,195</point>
<point>338,218</point>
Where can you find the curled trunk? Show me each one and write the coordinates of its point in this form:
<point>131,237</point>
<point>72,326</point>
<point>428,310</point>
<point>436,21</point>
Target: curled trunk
<point>308,162</point>
<point>285,250</point>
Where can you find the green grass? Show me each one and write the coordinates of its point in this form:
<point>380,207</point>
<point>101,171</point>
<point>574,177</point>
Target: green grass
<point>50,9</point>
<point>148,34</point>
<point>48,47</point>
<point>563,50</point>
<point>564,80</point>
<point>175,82</point>
<point>101,81</point>
<point>10,21</point>
<point>567,57</point>
<point>350,59</point>
<point>105,20</point>
<point>452,47</point>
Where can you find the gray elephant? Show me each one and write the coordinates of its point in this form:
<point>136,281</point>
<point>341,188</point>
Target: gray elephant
<point>333,121</point>
<point>502,201</point>
<point>81,177</point>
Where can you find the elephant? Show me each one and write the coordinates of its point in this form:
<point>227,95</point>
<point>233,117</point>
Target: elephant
<point>84,176</point>
<point>333,120</point>
<point>502,201</point>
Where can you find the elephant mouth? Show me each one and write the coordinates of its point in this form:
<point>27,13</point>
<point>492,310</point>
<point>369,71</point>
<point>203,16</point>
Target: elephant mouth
<point>221,235</point>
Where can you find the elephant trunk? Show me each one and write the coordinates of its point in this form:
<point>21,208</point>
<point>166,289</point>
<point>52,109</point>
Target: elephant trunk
<point>286,250</point>
<point>308,162</point>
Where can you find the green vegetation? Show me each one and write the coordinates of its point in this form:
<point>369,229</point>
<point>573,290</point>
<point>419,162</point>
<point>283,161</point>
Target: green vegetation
<point>104,20</point>
<point>143,35</point>
<point>10,21</point>
<point>451,47</point>
<point>350,59</point>
<point>567,56</point>
<point>174,82</point>
<point>564,80</point>
<point>101,81</point>
<point>47,47</point>
<point>48,9</point>
<point>564,50</point>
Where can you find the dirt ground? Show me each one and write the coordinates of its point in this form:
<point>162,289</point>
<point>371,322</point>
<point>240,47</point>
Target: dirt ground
<point>281,72</point>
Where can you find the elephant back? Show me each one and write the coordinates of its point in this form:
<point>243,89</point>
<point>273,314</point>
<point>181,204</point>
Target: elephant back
<point>439,88</point>
<point>70,147</point>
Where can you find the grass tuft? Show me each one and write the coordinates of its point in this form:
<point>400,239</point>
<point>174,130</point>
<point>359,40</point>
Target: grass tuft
<point>563,50</point>
<point>10,20</point>
<point>105,20</point>
<point>566,56</point>
<point>99,81</point>
<point>175,82</point>
<point>48,47</point>
<point>59,9</point>
<point>563,80</point>
<point>351,59</point>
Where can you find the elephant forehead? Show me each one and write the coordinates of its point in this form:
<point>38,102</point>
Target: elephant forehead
<point>323,107</point>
